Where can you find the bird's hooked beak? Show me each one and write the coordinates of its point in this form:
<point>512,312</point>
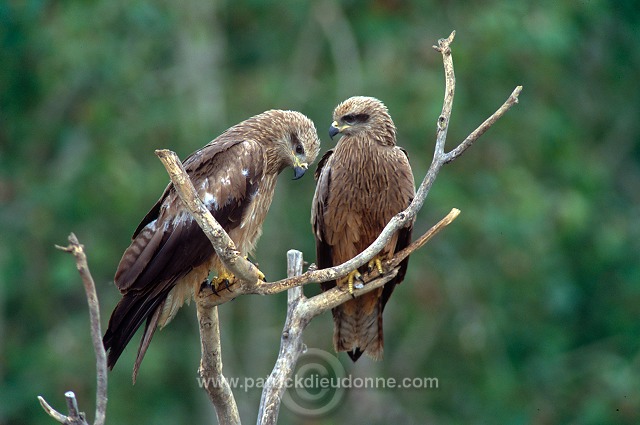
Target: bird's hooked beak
<point>299,168</point>
<point>336,128</point>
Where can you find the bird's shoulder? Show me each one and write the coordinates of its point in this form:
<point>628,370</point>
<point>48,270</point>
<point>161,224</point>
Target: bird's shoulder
<point>321,164</point>
<point>227,161</point>
<point>221,152</point>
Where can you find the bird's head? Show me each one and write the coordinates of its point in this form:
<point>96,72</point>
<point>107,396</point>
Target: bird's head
<point>297,144</point>
<point>361,114</point>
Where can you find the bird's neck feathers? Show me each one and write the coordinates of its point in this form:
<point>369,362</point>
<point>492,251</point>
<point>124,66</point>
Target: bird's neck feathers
<point>381,136</point>
<point>275,163</point>
<point>267,129</point>
<point>387,135</point>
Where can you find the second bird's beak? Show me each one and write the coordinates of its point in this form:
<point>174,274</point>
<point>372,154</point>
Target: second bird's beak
<point>334,129</point>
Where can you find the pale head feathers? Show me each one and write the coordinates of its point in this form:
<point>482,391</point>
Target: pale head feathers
<point>366,116</point>
<point>290,138</point>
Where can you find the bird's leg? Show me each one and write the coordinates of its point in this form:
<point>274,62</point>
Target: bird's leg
<point>377,263</point>
<point>351,277</point>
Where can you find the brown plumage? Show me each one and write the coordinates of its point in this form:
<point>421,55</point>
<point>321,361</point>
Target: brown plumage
<point>169,257</point>
<point>362,183</point>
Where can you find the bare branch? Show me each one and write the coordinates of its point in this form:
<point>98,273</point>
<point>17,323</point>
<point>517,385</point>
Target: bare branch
<point>444,47</point>
<point>75,414</point>
<point>475,135</point>
<point>291,347</point>
<point>76,417</point>
<point>210,370</point>
<point>426,237</point>
<point>53,412</point>
<point>336,296</point>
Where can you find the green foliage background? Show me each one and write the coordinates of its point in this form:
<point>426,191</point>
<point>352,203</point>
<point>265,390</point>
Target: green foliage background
<point>526,309</point>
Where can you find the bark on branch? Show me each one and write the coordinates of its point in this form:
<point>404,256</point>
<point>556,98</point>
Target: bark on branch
<point>210,370</point>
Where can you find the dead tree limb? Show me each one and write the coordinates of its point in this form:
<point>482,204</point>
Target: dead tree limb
<point>290,348</point>
<point>300,311</point>
<point>76,417</point>
<point>210,370</point>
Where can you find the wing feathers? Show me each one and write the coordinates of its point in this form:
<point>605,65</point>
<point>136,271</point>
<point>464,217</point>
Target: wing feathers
<point>169,244</point>
<point>139,254</point>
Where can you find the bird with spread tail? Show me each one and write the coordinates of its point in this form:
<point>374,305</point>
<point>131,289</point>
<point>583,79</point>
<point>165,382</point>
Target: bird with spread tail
<point>170,256</point>
<point>361,184</point>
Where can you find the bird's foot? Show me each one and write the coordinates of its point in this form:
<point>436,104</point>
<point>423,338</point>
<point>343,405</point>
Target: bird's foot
<point>225,279</point>
<point>377,263</point>
<point>261,275</point>
<point>206,284</point>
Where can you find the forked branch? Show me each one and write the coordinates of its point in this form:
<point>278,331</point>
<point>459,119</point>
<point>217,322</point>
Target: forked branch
<point>75,416</point>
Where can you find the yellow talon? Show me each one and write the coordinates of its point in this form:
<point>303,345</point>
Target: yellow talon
<point>224,277</point>
<point>377,263</point>
<point>354,275</point>
<point>261,275</point>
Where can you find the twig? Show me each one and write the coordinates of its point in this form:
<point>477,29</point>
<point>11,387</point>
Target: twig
<point>210,370</point>
<point>53,412</point>
<point>475,134</point>
<point>444,47</point>
<point>426,237</point>
<point>76,417</point>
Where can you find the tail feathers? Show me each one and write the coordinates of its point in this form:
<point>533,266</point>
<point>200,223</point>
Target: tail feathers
<point>149,330</point>
<point>358,329</point>
<point>125,320</point>
<point>355,354</point>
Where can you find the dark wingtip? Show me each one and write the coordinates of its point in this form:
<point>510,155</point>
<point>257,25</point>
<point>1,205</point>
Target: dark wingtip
<point>107,342</point>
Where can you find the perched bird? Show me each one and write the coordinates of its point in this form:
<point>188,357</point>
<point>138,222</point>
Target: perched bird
<point>361,184</point>
<point>170,257</point>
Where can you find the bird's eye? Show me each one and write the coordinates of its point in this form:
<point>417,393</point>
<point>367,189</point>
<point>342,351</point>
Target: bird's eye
<point>352,119</point>
<point>349,119</point>
<point>299,149</point>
